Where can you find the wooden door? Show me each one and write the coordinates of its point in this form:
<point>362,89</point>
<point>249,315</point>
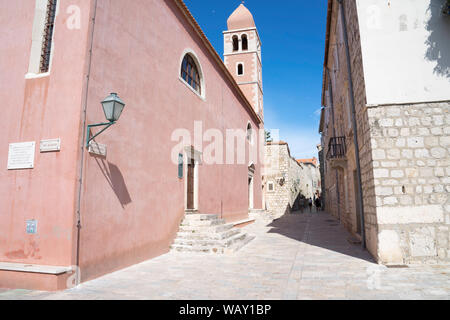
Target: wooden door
<point>190,184</point>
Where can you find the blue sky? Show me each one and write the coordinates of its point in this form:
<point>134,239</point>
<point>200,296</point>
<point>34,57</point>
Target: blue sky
<point>293,44</point>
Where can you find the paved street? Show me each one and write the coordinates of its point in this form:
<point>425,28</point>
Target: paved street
<point>299,256</point>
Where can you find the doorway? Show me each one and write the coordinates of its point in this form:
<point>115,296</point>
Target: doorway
<point>190,204</point>
<point>192,177</point>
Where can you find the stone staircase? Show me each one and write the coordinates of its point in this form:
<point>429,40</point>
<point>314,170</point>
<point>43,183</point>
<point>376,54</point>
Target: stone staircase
<point>208,234</point>
<point>260,215</point>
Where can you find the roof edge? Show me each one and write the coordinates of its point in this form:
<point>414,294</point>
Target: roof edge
<point>327,46</point>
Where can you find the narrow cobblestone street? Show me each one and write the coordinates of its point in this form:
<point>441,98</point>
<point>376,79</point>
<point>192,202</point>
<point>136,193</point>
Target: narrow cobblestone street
<point>299,256</point>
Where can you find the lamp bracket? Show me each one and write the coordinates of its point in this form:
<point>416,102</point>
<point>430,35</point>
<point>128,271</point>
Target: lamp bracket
<point>89,127</point>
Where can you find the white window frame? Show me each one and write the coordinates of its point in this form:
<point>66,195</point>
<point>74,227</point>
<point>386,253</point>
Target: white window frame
<point>37,37</point>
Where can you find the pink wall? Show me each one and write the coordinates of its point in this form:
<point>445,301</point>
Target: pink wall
<point>32,110</point>
<point>133,201</point>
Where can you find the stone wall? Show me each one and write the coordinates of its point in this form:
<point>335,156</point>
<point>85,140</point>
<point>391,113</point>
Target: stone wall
<point>404,159</point>
<point>411,145</point>
<point>284,174</point>
<point>341,196</point>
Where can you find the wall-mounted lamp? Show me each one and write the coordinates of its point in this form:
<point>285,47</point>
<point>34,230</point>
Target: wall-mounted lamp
<point>112,107</point>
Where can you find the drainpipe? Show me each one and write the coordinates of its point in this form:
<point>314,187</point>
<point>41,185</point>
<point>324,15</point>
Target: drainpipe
<point>83,147</point>
<point>330,86</point>
<point>354,124</point>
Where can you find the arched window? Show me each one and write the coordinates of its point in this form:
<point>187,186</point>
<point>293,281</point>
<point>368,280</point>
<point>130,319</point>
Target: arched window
<point>235,43</point>
<point>249,133</point>
<point>244,42</point>
<point>240,69</point>
<point>190,74</point>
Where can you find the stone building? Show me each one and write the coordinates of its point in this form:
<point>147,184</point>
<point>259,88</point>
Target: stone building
<point>72,210</point>
<point>385,126</point>
<point>311,182</point>
<point>282,179</point>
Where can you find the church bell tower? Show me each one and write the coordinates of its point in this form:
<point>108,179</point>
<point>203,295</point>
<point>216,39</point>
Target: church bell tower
<point>242,56</point>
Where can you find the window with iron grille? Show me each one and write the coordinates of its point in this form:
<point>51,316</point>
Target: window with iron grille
<point>48,36</point>
<point>190,74</point>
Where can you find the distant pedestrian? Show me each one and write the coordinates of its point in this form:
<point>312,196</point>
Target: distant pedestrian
<point>302,204</point>
<point>318,204</point>
<point>310,202</point>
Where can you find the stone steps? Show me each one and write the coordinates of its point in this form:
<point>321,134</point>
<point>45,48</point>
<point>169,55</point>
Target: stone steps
<point>214,249</point>
<point>260,214</point>
<point>201,217</point>
<point>202,223</point>
<point>207,233</point>
<point>207,229</point>
<point>210,241</point>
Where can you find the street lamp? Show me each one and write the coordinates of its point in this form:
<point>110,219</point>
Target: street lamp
<point>112,107</point>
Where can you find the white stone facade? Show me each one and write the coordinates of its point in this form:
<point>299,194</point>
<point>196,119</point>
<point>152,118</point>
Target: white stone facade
<point>404,147</point>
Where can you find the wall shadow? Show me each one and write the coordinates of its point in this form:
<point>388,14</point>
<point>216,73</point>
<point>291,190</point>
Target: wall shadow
<point>319,229</point>
<point>438,41</point>
<point>115,179</point>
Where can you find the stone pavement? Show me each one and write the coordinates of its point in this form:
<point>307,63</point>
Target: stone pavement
<point>299,256</point>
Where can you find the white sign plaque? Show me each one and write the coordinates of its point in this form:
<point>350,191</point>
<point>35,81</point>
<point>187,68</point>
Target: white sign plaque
<point>51,145</point>
<point>21,155</point>
<point>97,148</point>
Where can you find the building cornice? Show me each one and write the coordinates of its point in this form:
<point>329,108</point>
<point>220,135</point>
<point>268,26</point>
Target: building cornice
<point>327,46</point>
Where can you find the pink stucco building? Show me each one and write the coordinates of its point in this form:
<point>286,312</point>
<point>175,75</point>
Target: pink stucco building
<point>64,208</point>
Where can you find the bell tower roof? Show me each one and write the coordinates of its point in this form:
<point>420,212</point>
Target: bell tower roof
<point>241,18</point>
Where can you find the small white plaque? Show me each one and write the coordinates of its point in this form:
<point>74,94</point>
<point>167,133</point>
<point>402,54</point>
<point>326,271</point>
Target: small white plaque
<point>97,148</point>
<point>51,145</point>
<point>21,155</point>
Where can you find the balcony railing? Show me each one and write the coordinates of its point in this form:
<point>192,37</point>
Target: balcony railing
<point>337,148</point>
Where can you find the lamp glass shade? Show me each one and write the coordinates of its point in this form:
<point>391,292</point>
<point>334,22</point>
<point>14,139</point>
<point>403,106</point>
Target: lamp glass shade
<point>113,107</point>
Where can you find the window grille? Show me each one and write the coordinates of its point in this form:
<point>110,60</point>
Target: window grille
<point>48,36</point>
<point>190,74</point>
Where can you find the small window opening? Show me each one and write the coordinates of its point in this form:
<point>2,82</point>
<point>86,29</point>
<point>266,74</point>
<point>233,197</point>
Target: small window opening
<point>235,43</point>
<point>244,42</point>
<point>240,69</point>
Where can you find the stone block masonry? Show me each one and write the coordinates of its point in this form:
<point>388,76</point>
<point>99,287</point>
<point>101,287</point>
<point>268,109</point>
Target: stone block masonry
<point>411,153</point>
<point>283,177</point>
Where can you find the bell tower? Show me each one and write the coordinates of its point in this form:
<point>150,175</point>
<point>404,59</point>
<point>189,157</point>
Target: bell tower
<point>242,56</point>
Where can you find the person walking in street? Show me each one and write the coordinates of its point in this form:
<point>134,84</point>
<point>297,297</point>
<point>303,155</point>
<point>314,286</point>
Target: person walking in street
<point>310,202</point>
<point>318,204</point>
